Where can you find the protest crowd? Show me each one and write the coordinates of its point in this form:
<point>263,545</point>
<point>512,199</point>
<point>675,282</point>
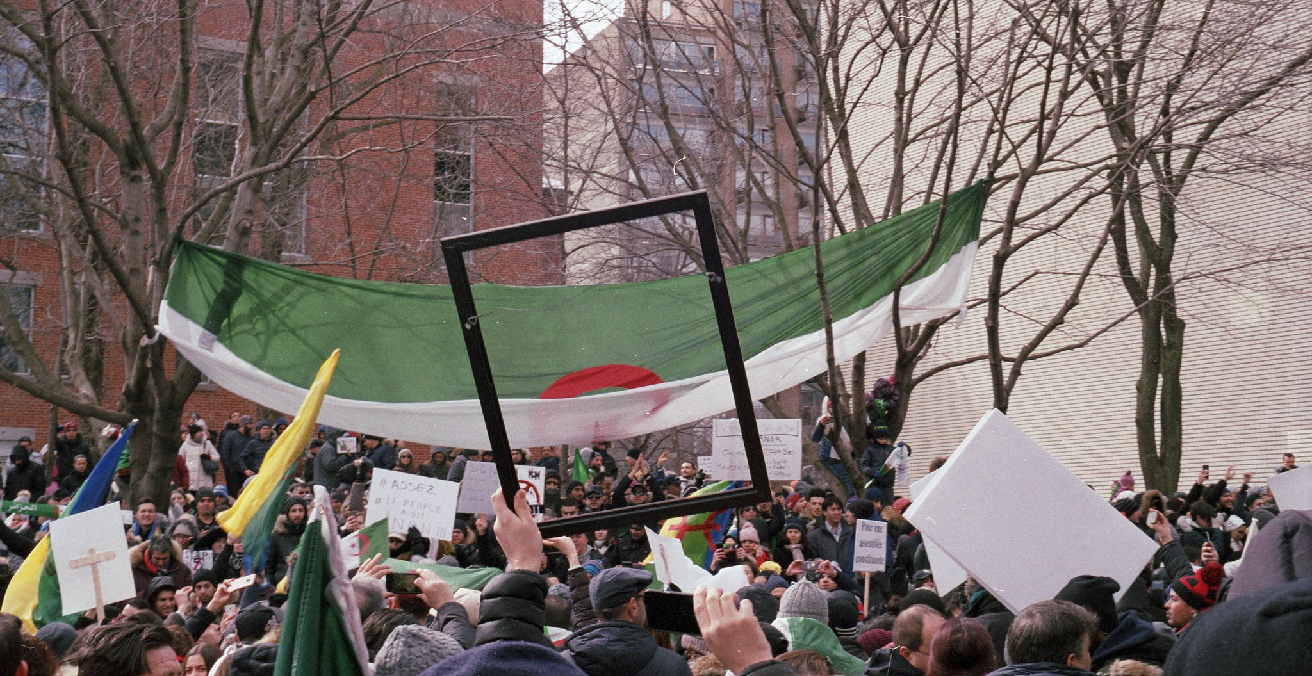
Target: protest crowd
<point>497,599</point>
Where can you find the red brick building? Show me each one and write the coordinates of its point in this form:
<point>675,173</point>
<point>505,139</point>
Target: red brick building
<point>388,173</point>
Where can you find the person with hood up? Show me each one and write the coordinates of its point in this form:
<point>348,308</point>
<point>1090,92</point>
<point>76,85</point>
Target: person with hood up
<point>195,449</point>
<point>1131,637</point>
<point>437,465</point>
<point>287,532</point>
<point>25,475</point>
<point>405,462</point>
<point>621,645</point>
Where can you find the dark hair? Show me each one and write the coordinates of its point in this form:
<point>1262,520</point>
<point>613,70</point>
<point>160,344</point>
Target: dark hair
<point>862,508</point>
<point>41,660</point>
<point>569,502</point>
<point>160,543</point>
<point>143,501</point>
<point>11,644</point>
<point>910,626</point>
<point>145,618</point>
<point>1287,455</point>
<point>182,640</point>
<point>830,501</point>
<point>1049,631</point>
<point>961,647</point>
<point>379,625</point>
<point>208,652</point>
<point>815,493</point>
<point>1204,510</point>
<point>119,649</point>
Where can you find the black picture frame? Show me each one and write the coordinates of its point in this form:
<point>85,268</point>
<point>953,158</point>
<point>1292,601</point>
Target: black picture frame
<point>453,251</point>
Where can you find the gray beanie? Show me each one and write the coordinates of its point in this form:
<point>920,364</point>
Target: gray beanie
<point>805,599</point>
<point>411,649</point>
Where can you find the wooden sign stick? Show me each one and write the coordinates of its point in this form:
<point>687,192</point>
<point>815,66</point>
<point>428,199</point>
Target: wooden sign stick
<point>94,559</point>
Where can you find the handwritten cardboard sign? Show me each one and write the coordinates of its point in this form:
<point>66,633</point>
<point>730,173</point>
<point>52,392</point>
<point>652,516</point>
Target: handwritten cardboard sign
<point>781,440</point>
<point>196,560</point>
<point>481,482</point>
<point>407,500</point>
<point>870,546</point>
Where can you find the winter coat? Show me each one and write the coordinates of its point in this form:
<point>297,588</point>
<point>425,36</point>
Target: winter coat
<point>995,617</point>
<point>513,609</point>
<point>66,451</point>
<point>253,455</point>
<point>383,456</point>
<point>622,649</point>
<point>142,574</point>
<point>29,477</point>
<point>1134,638</point>
<point>890,662</point>
<point>627,550</point>
<point>191,451</point>
<point>434,471</point>
<point>73,481</point>
<point>456,472</point>
<point>824,544</point>
<point>230,448</point>
<point>872,462</point>
<point>285,539</point>
<point>329,461</point>
<point>581,614</point>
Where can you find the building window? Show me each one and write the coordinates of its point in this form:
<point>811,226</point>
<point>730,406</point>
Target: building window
<point>216,136</point>
<point>20,301</point>
<point>285,209</point>
<point>22,136</point>
<point>453,163</point>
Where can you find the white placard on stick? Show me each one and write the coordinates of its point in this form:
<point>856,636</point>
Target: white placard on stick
<point>1292,489</point>
<point>781,441</point>
<point>91,553</point>
<point>1023,554</point>
<point>870,546</point>
<point>481,481</point>
<point>407,500</point>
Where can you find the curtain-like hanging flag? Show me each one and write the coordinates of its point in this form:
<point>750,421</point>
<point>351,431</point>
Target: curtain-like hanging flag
<point>321,631</point>
<point>256,510</point>
<point>700,533</point>
<point>33,595</point>
<point>573,364</point>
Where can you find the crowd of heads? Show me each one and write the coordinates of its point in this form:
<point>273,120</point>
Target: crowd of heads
<point>204,605</point>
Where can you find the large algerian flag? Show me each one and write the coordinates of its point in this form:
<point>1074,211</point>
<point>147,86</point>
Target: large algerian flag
<point>647,356</point>
<point>321,631</point>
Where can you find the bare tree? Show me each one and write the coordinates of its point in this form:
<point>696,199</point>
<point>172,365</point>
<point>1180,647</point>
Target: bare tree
<point>161,122</point>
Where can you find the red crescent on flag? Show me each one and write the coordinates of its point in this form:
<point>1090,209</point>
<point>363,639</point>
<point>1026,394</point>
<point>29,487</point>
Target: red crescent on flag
<point>593,378</point>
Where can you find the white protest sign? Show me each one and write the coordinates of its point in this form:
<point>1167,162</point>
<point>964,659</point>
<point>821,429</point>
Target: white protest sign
<point>196,560</point>
<point>477,487</point>
<point>781,441</point>
<point>1292,489</point>
<point>870,546</point>
<point>947,572</point>
<point>91,555</point>
<point>347,444</point>
<point>407,500</point>
<point>1023,555</point>
<point>481,482</point>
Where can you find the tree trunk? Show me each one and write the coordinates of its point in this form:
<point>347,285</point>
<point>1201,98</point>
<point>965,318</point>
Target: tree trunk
<point>1145,399</point>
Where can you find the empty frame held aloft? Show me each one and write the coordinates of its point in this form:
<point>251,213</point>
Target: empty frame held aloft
<point>454,250</point>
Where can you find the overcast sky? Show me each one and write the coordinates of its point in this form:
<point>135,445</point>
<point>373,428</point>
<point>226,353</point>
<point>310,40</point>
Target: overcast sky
<point>586,18</point>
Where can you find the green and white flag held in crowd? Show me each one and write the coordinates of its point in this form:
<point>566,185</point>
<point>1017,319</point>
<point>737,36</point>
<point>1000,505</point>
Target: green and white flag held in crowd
<point>573,364</point>
<point>321,630</point>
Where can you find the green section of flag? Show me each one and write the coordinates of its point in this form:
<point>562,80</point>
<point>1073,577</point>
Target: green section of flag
<point>259,532</point>
<point>316,639</point>
<point>579,472</point>
<point>282,320</point>
<point>457,578</point>
<point>805,633</point>
<point>28,508</point>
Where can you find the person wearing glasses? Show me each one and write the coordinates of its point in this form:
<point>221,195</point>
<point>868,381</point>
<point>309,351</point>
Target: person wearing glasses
<point>912,634</point>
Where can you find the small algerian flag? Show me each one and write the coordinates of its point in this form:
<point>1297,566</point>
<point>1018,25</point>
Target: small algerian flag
<point>365,543</point>
<point>804,633</point>
<point>321,631</point>
<point>579,472</point>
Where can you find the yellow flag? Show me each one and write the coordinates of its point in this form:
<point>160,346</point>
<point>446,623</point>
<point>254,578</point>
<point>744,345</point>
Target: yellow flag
<point>20,600</point>
<point>286,450</point>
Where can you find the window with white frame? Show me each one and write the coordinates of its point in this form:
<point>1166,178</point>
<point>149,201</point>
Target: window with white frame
<point>216,135</point>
